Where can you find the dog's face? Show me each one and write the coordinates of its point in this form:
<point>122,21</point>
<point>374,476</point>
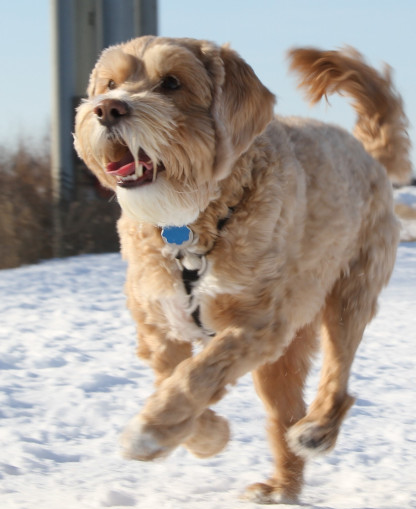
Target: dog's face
<point>165,120</point>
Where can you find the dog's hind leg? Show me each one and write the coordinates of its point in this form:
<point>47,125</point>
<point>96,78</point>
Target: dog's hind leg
<point>280,386</point>
<point>348,309</point>
<point>317,432</point>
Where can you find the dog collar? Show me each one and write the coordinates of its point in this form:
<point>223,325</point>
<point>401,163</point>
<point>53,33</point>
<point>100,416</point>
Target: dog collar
<point>181,236</point>
<point>177,235</point>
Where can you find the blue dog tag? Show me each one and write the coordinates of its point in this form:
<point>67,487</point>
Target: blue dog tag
<point>177,235</point>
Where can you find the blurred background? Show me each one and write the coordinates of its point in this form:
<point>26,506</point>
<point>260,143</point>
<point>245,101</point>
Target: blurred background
<point>49,204</point>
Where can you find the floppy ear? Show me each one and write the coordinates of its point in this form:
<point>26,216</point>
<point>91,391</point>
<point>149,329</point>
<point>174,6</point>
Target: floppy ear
<point>242,107</point>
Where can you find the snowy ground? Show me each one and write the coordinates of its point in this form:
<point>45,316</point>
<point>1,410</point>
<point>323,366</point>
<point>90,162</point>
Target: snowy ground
<point>405,199</point>
<point>69,381</point>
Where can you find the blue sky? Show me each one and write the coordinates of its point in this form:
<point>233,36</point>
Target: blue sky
<point>261,31</point>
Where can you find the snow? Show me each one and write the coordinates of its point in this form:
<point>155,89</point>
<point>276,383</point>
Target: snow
<point>70,381</point>
<point>407,196</point>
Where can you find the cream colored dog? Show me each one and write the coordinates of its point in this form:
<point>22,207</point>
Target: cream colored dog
<point>245,232</point>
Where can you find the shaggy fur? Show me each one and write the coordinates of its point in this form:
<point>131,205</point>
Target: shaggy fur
<point>184,132</point>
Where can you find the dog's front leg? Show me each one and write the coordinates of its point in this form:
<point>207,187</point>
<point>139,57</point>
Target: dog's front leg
<point>173,413</point>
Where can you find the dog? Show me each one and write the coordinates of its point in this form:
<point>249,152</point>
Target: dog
<point>245,233</point>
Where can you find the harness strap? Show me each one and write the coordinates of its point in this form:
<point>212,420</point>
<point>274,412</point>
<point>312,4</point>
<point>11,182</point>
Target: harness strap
<point>189,277</point>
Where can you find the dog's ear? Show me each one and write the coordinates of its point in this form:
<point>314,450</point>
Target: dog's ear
<point>242,107</point>
<point>247,105</point>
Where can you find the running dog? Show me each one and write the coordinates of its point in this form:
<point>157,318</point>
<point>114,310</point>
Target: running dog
<point>247,233</point>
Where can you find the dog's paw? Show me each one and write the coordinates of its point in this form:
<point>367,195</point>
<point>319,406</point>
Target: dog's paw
<point>263,493</point>
<point>317,433</point>
<point>141,440</point>
<point>310,439</point>
<point>138,442</point>
<point>211,435</point>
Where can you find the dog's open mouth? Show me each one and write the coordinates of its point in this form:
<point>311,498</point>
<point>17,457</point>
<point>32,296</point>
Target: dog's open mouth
<point>131,173</point>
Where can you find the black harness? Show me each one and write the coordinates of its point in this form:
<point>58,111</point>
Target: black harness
<point>190,277</point>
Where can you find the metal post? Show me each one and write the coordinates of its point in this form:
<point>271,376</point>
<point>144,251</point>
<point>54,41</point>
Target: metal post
<point>81,29</point>
<point>63,85</point>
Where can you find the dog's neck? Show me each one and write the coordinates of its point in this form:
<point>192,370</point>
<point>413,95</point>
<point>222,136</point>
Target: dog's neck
<point>199,238</point>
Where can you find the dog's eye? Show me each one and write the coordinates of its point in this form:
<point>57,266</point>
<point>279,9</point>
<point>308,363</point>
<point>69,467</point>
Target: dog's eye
<point>170,83</point>
<point>111,85</point>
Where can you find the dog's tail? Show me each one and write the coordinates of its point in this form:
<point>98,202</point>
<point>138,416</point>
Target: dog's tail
<point>381,124</point>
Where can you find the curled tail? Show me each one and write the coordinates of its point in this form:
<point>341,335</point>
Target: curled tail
<point>381,124</point>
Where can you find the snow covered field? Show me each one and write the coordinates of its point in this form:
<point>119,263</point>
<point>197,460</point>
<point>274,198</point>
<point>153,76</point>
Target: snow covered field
<point>69,381</point>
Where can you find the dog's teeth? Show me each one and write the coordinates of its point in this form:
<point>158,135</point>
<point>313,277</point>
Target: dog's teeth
<point>136,175</point>
<point>139,171</point>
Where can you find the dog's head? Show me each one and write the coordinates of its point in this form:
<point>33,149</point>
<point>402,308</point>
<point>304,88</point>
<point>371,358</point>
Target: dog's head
<point>165,120</point>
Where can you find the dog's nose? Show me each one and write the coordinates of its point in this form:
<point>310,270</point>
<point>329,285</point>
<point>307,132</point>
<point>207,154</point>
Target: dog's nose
<point>110,111</point>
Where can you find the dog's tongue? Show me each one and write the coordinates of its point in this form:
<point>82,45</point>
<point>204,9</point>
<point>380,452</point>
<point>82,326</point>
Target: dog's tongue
<point>126,165</point>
